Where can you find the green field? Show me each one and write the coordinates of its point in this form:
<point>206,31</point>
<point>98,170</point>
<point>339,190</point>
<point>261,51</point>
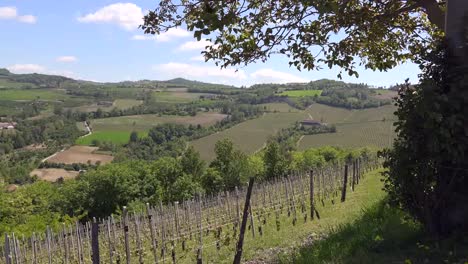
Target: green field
<point>118,103</point>
<point>248,136</point>
<point>145,122</point>
<point>118,129</point>
<point>31,94</point>
<point>176,97</point>
<point>301,93</point>
<point>117,137</point>
<point>355,128</point>
<point>126,103</point>
<point>278,107</point>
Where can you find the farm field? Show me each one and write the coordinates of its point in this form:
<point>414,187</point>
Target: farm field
<point>176,96</point>
<point>52,175</point>
<point>31,94</point>
<point>355,128</point>
<point>79,154</point>
<point>301,93</point>
<point>118,103</point>
<point>118,129</point>
<point>145,122</point>
<point>250,135</point>
<point>278,107</point>
<point>385,94</point>
<point>116,137</point>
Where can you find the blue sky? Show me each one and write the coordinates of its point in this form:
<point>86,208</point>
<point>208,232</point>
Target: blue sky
<point>99,40</point>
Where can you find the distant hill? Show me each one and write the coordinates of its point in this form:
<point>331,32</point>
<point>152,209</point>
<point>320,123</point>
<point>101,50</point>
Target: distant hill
<point>31,80</point>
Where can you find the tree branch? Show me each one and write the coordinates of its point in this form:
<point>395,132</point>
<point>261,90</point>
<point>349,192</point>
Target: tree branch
<point>434,13</point>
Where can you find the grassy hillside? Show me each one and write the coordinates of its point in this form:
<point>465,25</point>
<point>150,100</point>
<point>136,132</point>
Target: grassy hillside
<point>263,249</point>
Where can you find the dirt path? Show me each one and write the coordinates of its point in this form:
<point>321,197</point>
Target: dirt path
<point>88,129</point>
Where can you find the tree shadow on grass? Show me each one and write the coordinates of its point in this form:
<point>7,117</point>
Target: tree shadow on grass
<point>381,235</point>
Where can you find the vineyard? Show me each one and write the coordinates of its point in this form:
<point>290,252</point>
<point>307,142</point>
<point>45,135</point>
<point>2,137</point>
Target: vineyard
<point>203,230</point>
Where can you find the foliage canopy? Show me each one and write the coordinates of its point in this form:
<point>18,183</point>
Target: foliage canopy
<point>310,33</point>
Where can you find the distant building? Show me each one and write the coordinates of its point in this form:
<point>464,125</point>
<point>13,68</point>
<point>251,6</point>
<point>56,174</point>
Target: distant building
<point>9,125</point>
<point>310,122</point>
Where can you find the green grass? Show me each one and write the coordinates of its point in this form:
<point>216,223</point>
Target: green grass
<point>301,93</point>
<point>126,103</point>
<point>31,94</point>
<point>118,129</point>
<point>355,128</point>
<point>381,235</point>
<point>278,107</point>
<point>176,97</point>
<point>117,137</point>
<point>262,249</point>
<point>250,135</point>
<point>145,122</point>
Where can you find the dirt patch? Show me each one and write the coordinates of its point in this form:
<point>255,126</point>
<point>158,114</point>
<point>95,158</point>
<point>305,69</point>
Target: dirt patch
<point>52,175</point>
<point>80,154</point>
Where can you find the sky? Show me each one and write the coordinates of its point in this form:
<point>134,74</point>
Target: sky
<point>99,40</point>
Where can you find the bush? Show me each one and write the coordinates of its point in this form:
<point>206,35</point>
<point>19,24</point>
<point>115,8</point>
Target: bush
<point>428,166</point>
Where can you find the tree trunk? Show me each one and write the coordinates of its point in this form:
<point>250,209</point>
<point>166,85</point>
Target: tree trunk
<point>455,21</point>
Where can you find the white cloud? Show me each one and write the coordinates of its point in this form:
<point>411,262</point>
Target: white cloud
<point>29,19</point>
<point>26,68</point>
<point>272,76</point>
<point>198,58</point>
<point>8,12</point>
<point>169,35</point>
<point>11,13</point>
<point>66,59</point>
<point>127,15</point>
<point>195,45</point>
<point>174,69</point>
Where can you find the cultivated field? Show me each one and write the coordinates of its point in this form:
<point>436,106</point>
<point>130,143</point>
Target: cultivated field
<point>301,93</point>
<point>249,136</point>
<point>52,175</point>
<point>79,154</point>
<point>145,122</point>
<point>355,128</point>
<point>118,129</point>
<point>116,137</point>
<point>176,96</point>
<point>278,107</point>
<point>31,94</point>
<point>385,94</point>
<point>118,103</point>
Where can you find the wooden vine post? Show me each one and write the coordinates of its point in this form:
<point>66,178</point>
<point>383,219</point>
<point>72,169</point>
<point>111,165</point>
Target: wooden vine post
<point>240,243</point>
<point>153,235</point>
<point>95,241</point>
<point>127,246</point>
<point>345,184</point>
<point>200,219</point>
<point>311,183</point>
<point>7,250</point>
